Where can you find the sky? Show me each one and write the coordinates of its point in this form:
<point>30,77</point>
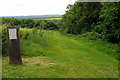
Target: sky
<point>33,7</point>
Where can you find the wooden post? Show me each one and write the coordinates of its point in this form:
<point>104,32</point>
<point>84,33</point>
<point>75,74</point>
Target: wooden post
<point>14,45</point>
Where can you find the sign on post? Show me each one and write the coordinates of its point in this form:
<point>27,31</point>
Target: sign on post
<point>12,34</point>
<point>14,45</point>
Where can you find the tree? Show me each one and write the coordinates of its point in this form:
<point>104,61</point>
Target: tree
<point>80,17</point>
<point>110,24</point>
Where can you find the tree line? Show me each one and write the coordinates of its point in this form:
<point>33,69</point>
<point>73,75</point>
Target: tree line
<point>100,17</point>
<point>31,23</point>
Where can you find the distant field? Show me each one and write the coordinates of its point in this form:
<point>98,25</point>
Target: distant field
<point>54,19</point>
<point>55,55</point>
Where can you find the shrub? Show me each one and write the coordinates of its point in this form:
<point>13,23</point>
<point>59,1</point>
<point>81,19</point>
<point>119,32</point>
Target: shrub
<point>30,23</point>
<point>4,38</point>
<point>24,33</point>
<point>90,36</point>
<point>0,39</point>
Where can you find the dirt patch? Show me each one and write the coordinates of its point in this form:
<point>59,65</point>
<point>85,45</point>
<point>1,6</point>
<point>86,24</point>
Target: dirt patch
<point>102,71</point>
<point>38,61</point>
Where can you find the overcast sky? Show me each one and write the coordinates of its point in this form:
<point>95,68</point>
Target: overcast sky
<point>33,7</point>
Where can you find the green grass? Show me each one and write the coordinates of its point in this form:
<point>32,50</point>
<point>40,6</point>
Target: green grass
<point>55,55</point>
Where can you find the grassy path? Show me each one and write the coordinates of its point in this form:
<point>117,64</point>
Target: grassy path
<point>64,57</point>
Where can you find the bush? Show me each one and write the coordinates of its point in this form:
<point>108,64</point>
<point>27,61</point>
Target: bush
<point>30,23</point>
<point>90,36</point>
<point>0,39</point>
<point>32,45</point>
<point>24,33</point>
<point>4,39</point>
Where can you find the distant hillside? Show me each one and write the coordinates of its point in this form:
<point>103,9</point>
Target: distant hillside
<point>36,16</point>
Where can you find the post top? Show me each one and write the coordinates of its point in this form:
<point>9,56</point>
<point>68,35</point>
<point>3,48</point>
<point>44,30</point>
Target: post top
<point>12,27</point>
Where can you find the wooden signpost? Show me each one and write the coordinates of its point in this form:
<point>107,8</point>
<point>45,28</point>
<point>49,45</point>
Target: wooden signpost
<point>14,45</point>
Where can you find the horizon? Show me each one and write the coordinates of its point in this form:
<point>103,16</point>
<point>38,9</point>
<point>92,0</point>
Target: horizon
<point>33,7</point>
<point>34,15</point>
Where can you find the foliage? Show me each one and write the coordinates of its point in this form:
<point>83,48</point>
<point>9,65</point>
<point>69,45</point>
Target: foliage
<point>100,17</point>
<point>32,37</point>
<point>25,33</point>
<point>30,23</point>
<point>110,22</point>
<point>90,36</point>
<point>80,17</point>
<point>0,40</point>
<point>4,38</point>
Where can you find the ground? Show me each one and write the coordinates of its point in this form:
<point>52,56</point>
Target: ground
<point>63,57</point>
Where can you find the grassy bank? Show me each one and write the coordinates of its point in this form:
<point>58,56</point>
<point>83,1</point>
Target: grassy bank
<point>50,54</point>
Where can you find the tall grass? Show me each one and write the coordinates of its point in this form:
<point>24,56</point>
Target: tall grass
<point>33,41</point>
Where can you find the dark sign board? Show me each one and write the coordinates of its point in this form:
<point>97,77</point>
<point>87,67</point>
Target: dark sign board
<point>14,45</point>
